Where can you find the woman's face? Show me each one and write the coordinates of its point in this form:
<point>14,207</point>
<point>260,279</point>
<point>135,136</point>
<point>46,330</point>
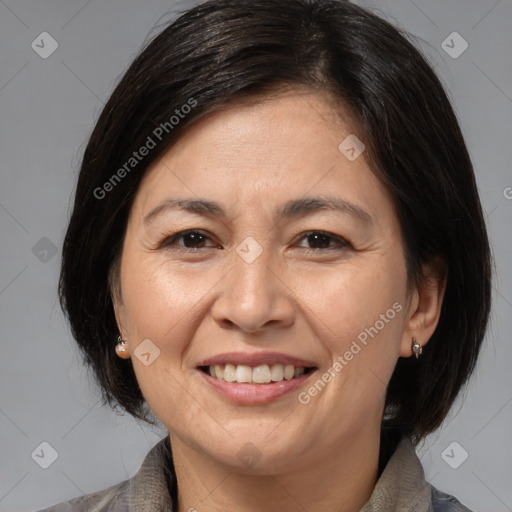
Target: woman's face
<point>258,285</point>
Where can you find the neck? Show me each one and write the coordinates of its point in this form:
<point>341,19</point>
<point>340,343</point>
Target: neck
<point>339,480</point>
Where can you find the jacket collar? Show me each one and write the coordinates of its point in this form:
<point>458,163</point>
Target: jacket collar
<point>401,486</point>
<point>151,487</point>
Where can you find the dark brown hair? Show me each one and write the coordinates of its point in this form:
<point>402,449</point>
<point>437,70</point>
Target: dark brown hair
<point>224,51</point>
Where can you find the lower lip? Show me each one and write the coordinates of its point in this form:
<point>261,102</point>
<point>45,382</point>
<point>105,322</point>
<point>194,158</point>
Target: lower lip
<point>247,394</point>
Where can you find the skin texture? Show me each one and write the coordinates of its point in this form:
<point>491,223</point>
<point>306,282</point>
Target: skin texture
<point>297,298</point>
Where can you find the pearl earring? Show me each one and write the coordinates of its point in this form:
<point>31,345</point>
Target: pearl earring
<point>121,345</point>
<point>417,349</point>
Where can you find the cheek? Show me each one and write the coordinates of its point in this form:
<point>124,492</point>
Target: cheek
<point>160,299</point>
<point>351,298</point>
<point>159,296</point>
<point>359,312</point>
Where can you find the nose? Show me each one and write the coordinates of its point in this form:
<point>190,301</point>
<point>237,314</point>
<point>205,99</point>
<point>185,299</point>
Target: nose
<point>254,295</point>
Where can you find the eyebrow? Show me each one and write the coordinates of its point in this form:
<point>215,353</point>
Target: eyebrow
<point>291,209</point>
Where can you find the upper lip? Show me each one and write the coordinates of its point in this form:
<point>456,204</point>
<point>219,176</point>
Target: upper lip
<point>256,359</point>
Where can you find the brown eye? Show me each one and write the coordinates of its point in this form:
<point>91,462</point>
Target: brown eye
<point>192,239</point>
<point>322,240</point>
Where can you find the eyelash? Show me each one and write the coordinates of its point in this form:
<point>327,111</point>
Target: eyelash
<point>341,243</point>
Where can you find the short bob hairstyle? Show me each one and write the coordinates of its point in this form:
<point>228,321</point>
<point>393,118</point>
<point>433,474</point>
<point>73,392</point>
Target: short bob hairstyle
<point>247,50</point>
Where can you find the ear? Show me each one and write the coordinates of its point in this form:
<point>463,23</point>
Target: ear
<point>424,306</point>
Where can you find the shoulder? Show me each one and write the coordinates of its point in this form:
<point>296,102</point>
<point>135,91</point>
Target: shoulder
<point>443,502</point>
<point>112,499</point>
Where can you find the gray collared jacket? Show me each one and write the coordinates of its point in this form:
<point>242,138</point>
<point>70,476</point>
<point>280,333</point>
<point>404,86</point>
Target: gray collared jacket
<point>401,487</point>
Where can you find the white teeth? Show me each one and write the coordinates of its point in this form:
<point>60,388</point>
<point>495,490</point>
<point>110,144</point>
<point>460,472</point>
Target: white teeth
<point>262,374</point>
<point>277,372</point>
<point>243,373</point>
<point>230,373</point>
<point>289,371</point>
<point>219,371</point>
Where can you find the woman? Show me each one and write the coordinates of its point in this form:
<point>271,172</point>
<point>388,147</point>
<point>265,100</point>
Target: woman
<point>277,247</point>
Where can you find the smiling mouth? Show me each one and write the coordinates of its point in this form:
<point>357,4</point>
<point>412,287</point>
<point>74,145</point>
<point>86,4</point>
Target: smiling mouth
<point>261,374</point>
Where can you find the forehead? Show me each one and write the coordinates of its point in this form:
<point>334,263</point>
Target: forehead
<point>282,147</point>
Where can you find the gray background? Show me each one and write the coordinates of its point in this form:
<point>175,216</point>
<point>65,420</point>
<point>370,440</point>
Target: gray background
<point>47,109</point>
